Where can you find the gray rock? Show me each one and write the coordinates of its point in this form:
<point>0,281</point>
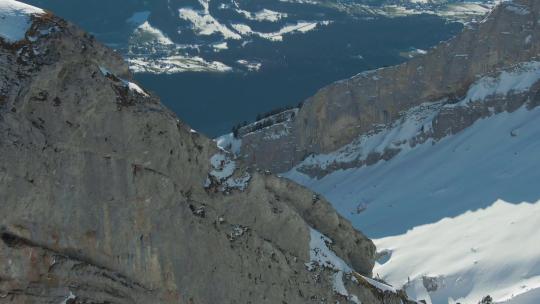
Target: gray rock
<point>341,112</point>
<point>106,197</point>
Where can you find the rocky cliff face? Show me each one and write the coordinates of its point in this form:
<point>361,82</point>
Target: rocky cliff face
<point>106,197</point>
<point>346,110</point>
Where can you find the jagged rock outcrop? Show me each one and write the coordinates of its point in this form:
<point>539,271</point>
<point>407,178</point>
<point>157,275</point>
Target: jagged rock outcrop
<point>106,197</point>
<point>345,110</point>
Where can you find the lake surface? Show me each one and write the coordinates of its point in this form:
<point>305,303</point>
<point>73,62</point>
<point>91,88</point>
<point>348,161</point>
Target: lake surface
<point>292,70</point>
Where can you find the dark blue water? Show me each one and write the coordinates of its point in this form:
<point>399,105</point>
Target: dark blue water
<point>292,70</point>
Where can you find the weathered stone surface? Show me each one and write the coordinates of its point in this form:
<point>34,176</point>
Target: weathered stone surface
<point>106,197</point>
<point>341,112</point>
<point>446,121</point>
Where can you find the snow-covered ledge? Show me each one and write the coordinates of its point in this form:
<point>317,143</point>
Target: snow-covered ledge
<point>16,19</point>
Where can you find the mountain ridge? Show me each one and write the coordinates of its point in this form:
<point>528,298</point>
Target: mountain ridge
<point>437,159</point>
<point>108,197</point>
<point>343,111</point>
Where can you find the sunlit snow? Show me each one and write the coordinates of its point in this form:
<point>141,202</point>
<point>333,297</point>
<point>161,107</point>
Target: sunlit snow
<point>15,19</point>
<point>493,251</point>
<point>457,217</point>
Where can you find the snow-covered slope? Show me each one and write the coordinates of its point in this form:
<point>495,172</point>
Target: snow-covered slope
<point>490,168</point>
<point>496,158</point>
<point>456,216</point>
<point>417,124</point>
<point>492,251</point>
<point>15,19</point>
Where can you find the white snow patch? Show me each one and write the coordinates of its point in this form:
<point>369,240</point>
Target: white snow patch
<point>418,120</point>
<point>223,166</point>
<point>205,24</point>
<point>299,27</point>
<point>414,122</point>
<point>300,1</point>
<point>16,19</point>
<point>70,297</point>
<point>471,254</point>
<point>278,133</point>
<point>492,251</point>
<point>460,11</point>
<point>240,183</point>
<point>230,143</point>
<point>223,169</point>
<point>220,46</point>
<point>517,80</point>
<point>154,34</point>
<point>518,9</point>
<point>322,256</point>
<point>252,66</point>
<point>135,87</point>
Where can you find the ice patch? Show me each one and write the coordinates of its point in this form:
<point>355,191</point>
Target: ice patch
<point>70,297</point>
